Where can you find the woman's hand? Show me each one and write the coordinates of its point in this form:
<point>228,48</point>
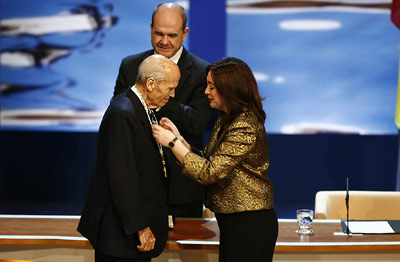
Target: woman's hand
<point>162,135</point>
<point>169,125</point>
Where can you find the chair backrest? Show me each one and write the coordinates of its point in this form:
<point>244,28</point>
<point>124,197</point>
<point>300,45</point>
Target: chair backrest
<point>363,205</point>
<point>207,213</point>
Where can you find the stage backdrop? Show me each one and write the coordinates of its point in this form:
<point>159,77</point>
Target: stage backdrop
<point>328,70</point>
<point>60,59</point>
<point>322,66</point>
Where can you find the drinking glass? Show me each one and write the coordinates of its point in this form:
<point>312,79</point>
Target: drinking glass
<point>304,221</point>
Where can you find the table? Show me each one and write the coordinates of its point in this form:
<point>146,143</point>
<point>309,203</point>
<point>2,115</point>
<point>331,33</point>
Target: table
<point>33,236</point>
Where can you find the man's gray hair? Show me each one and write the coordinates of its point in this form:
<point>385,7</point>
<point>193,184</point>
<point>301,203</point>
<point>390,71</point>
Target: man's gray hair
<point>153,67</point>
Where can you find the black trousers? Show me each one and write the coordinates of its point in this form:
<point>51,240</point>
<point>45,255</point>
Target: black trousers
<point>100,257</point>
<point>247,236</point>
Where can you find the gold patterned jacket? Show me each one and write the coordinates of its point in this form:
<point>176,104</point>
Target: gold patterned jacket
<point>234,166</point>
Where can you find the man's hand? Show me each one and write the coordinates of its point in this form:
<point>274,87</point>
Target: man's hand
<point>147,240</point>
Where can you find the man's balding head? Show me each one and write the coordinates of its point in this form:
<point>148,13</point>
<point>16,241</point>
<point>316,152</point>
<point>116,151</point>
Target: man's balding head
<point>157,79</point>
<point>171,6</point>
<point>168,29</point>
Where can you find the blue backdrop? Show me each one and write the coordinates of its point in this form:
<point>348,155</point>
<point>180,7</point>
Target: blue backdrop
<point>329,77</point>
<point>322,69</point>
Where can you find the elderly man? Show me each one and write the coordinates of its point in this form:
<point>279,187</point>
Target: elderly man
<point>189,109</point>
<point>125,215</point>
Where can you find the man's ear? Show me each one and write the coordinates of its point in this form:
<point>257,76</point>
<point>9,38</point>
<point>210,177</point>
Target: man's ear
<point>185,32</point>
<point>150,82</point>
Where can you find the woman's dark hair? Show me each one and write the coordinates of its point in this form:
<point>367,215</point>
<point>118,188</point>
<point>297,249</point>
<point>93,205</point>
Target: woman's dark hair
<point>237,86</point>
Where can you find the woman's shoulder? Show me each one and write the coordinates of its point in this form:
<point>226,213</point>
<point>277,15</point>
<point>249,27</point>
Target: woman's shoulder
<point>246,116</point>
<point>246,119</point>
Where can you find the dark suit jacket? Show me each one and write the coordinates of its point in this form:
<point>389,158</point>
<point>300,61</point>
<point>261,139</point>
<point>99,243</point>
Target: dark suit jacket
<point>189,110</point>
<point>127,191</point>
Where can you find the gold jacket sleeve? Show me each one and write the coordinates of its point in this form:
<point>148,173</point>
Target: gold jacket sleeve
<point>234,167</point>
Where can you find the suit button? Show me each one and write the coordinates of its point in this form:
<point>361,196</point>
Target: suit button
<point>125,221</point>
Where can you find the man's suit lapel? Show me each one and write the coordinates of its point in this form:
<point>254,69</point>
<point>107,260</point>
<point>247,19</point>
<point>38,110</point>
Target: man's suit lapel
<point>141,115</point>
<point>184,64</point>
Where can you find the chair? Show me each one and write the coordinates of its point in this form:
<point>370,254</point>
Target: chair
<point>363,205</point>
<point>207,213</point>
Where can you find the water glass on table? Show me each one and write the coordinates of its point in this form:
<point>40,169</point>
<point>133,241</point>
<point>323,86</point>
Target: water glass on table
<point>304,221</point>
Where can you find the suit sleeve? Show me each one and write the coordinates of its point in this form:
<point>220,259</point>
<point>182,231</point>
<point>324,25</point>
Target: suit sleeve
<point>122,172</point>
<point>235,146</point>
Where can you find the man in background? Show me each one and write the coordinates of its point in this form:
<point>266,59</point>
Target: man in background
<point>189,109</point>
<point>125,215</point>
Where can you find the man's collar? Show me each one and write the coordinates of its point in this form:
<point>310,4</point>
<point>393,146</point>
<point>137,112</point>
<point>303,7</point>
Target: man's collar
<point>175,58</point>
<point>140,96</point>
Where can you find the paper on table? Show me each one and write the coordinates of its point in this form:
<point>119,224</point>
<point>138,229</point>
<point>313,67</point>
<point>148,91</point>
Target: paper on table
<point>370,227</point>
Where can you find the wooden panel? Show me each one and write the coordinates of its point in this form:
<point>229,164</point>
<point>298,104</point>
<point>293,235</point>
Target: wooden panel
<point>59,231</point>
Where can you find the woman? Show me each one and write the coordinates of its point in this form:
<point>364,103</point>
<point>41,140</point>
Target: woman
<point>234,164</point>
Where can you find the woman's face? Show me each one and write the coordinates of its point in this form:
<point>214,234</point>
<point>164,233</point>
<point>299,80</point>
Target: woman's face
<point>216,101</point>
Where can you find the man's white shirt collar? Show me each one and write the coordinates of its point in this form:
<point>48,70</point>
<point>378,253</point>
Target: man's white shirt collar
<point>139,95</point>
<point>175,58</point>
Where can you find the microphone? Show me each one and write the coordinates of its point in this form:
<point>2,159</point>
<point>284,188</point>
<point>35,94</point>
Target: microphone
<point>347,205</point>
